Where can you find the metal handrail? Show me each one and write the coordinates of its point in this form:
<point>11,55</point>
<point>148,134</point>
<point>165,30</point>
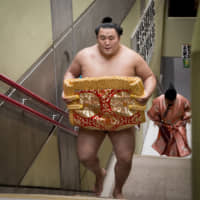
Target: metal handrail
<point>31,94</point>
<point>30,110</point>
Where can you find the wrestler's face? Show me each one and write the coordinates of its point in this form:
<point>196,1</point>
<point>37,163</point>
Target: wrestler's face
<point>108,41</point>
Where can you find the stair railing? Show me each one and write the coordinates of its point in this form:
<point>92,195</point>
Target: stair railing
<point>38,99</point>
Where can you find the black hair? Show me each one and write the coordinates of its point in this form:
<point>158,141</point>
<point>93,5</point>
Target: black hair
<point>170,93</point>
<point>107,23</point>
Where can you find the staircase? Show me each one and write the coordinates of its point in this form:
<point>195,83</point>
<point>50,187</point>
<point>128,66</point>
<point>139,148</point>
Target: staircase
<point>151,178</point>
<point>155,178</point>
<point>46,197</point>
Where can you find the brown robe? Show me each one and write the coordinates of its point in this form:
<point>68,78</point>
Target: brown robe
<point>171,140</point>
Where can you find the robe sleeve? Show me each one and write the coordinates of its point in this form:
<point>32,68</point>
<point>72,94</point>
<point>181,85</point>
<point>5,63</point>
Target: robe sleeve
<point>187,110</point>
<point>154,111</point>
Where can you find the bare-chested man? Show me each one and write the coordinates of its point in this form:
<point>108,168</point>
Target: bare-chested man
<point>109,58</point>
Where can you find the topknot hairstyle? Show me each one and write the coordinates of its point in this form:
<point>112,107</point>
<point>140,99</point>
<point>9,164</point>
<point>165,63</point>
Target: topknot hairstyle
<point>171,93</point>
<point>106,20</point>
<point>107,23</point>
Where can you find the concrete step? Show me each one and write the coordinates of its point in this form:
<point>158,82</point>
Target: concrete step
<point>47,197</point>
<point>159,178</point>
<point>151,177</point>
<point>155,178</point>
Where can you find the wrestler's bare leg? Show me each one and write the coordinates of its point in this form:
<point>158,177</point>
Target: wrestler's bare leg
<point>88,143</point>
<point>124,146</point>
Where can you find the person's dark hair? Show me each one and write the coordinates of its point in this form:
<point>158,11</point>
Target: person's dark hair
<point>170,93</point>
<point>107,23</point>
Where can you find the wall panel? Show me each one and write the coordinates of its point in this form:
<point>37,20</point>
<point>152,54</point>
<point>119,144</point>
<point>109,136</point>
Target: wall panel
<point>22,137</point>
<point>25,34</point>
<point>79,7</point>
<point>63,54</point>
<point>173,71</point>
<point>40,79</point>
<point>61,16</point>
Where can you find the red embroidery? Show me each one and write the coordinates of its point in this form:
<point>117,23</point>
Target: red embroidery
<point>106,118</point>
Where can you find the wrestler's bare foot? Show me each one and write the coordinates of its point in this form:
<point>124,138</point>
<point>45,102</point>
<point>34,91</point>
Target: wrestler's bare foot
<point>99,183</point>
<point>117,195</point>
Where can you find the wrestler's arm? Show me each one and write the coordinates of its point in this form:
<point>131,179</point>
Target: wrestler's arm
<point>145,73</point>
<point>73,71</point>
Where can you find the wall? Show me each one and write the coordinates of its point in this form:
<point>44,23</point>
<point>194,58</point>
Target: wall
<point>174,71</point>
<point>44,166</point>
<point>178,31</point>
<point>130,22</point>
<point>25,34</point>
<point>79,7</point>
<point>195,83</point>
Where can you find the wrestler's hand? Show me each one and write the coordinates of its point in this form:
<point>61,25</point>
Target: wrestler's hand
<point>181,123</point>
<point>159,124</point>
<point>67,101</point>
<point>187,118</point>
<point>142,100</point>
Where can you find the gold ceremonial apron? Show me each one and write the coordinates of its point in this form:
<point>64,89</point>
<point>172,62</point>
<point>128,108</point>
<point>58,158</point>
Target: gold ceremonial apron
<point>105,103</point>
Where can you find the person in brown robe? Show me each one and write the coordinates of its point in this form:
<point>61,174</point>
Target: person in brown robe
<point>171,112</point>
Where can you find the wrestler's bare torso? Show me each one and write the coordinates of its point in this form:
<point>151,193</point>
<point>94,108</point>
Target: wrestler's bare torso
<point>121,61</point>
<point>90,62</point>
<point>110,58</point>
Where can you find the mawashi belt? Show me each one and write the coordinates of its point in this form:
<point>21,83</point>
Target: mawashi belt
<point>105,103</point>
